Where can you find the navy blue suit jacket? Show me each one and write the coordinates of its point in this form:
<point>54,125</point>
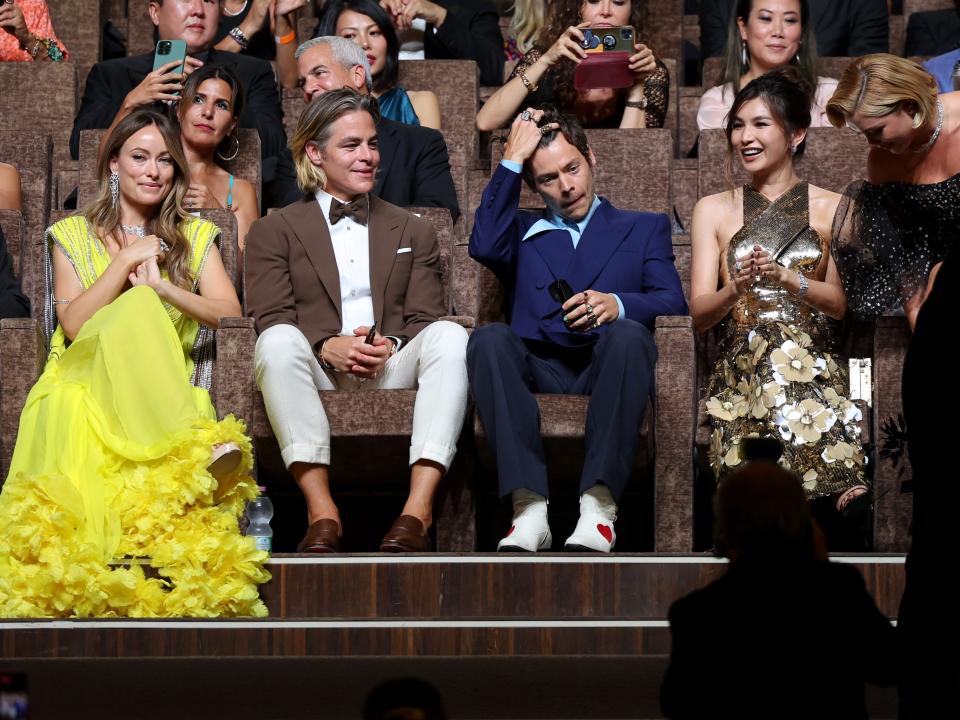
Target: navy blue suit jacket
<point>623,252</point>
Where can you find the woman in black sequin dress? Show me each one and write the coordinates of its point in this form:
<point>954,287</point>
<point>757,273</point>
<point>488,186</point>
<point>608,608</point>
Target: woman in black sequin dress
<point>893,230</point>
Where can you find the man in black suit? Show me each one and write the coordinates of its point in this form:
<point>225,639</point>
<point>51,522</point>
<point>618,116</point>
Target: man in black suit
<point>843,28</point>
<point>934,32</point>
<point>453,30</point>
<point>116,87</point>
<point>414,165</point>
<point>784,633</point>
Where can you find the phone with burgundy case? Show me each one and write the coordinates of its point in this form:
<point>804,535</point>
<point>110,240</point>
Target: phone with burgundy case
<point>607,64</point>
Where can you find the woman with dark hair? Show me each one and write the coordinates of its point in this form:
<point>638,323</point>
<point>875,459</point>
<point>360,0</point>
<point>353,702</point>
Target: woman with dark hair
<point>894,229</point>
<point>369,26</point>
<point>546,73</point>
<point>209,110</point>
<point>121,465</point>
<point>762,272</point>
<point>763,37</point>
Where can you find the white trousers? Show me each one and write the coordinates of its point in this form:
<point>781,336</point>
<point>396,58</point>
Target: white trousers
<point>434,362</point>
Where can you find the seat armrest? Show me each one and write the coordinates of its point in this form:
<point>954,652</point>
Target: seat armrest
<point>23,351</point>
<point>675,408</point>
<point>234,384</point>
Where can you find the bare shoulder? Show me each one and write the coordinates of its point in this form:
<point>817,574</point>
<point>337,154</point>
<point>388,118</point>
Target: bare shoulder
<point>717,204</point>
<point>823,207</point>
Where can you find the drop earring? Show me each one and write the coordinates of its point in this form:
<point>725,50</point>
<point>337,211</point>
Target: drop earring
<point>744,55</point>
<point>115,189</point>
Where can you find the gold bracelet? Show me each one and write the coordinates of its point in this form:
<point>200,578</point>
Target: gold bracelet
<point>526,82</point>
<point>326,364</point>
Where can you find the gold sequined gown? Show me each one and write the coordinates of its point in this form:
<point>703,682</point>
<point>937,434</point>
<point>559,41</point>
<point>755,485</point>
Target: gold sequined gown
<point>775,376</point>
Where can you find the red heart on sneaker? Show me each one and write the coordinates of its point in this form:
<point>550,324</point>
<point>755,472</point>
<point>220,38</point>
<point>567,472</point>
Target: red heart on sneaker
<point>606,532</point>
<point>512,528</point>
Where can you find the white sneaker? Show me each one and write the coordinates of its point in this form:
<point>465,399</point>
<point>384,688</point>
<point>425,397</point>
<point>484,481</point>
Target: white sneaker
<point>594,531</point>
<point>529,531</point>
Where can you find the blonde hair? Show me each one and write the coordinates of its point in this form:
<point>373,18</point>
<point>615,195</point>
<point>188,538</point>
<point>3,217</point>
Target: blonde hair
<point>526,20</point>
<point>879,84</point>
<point>104,215</point>
<point>315,125</point>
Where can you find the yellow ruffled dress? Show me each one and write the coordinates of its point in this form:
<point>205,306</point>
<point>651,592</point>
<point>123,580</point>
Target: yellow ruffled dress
<point>108,508</point>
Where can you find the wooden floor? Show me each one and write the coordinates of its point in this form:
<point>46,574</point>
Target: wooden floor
<point>429,606</point>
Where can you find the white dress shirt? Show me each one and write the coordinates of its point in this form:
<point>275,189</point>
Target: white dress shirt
<point>351,247</point>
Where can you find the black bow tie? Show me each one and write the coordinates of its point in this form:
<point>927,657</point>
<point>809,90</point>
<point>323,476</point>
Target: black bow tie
<point>356,210</point>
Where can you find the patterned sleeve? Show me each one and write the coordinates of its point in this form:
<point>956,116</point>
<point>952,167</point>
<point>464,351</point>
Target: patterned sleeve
<point>545,90</point>
<point>36,15</point>
<point>656,91</point>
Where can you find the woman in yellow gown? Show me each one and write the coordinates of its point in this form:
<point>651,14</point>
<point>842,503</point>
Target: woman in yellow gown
<point>124,490</point>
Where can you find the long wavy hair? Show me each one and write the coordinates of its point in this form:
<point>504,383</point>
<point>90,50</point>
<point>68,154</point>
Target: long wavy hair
<point>526,19</point>
<point>327,26</point>
<point>733,65</point>
<point>562,14</point>
<point>103,215</point>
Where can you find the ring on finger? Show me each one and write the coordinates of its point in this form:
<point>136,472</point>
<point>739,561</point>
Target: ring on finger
<point>544,130</point>
<point>589,309</point>
<point>526,115</point>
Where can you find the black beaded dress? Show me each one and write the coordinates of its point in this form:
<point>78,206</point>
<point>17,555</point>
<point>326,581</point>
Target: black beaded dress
<point>888,236</point>
<point>776,375</point>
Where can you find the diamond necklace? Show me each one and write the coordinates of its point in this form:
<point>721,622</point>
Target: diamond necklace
<point>238,12</point>
<point>936,130</point>
<point>138,230</point>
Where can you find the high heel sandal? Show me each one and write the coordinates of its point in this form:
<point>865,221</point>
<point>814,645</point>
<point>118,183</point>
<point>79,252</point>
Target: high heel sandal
<point>224,459</point>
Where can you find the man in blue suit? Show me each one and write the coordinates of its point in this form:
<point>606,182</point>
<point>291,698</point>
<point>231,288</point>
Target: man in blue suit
<point>584,284</point>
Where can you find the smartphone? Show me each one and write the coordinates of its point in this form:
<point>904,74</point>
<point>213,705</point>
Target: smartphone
<point>371,334</point>
<point>169,50</point>
<point>608,39</point>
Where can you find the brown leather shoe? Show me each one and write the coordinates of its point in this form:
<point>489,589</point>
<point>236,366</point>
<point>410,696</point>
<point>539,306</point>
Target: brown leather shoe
<point>323,536</point>
<point>406,535</point>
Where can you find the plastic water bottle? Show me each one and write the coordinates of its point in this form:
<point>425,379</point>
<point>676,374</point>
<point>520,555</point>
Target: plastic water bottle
<point>259,512</point>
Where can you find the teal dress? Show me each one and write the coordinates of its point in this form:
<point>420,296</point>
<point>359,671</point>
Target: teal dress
<point>395,105</point>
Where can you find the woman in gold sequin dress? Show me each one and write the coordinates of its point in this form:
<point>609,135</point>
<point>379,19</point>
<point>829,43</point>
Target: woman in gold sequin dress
<point>762,271</point>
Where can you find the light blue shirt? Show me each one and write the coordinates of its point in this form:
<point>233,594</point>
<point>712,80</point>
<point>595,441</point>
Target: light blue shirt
<point>554,222</point>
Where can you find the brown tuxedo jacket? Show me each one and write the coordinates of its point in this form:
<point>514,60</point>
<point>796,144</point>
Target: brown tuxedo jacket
<point>291,275</point>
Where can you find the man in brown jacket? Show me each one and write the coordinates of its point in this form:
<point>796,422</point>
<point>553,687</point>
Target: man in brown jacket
<point>345,289</point>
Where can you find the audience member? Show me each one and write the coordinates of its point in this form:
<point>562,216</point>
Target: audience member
<point>928,617</point>
<point>26,33</point>
<point>115,88</point>
<point>764,36</point>
<point>527,18</point>
<point>352,303</point>
<point>933,32</point>
<point>841,27</point>
<point>13,303</point>
<point>10,196</point>
<point>369,25</point>
<point>546,73</point>
<point>266,29</point>
<point>404,699</point>
<point>892,231</point>
<point>766,246</point>
<point>414,166</point>
<point>937,33</point>
<point>117,455</point>
<point>783,633</point>
<point>208,113</point>
<point>450,30</point>
<point>585,283</point>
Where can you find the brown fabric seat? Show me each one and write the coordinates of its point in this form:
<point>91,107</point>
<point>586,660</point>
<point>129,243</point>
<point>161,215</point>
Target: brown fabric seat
<point>39,98</point>
<point>77,24</point>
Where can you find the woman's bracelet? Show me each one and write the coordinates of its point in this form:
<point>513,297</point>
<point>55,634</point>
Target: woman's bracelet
<point>804,284</point>
<point>522,73</point>
<point>286,39</point>
<point>239,38</point>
